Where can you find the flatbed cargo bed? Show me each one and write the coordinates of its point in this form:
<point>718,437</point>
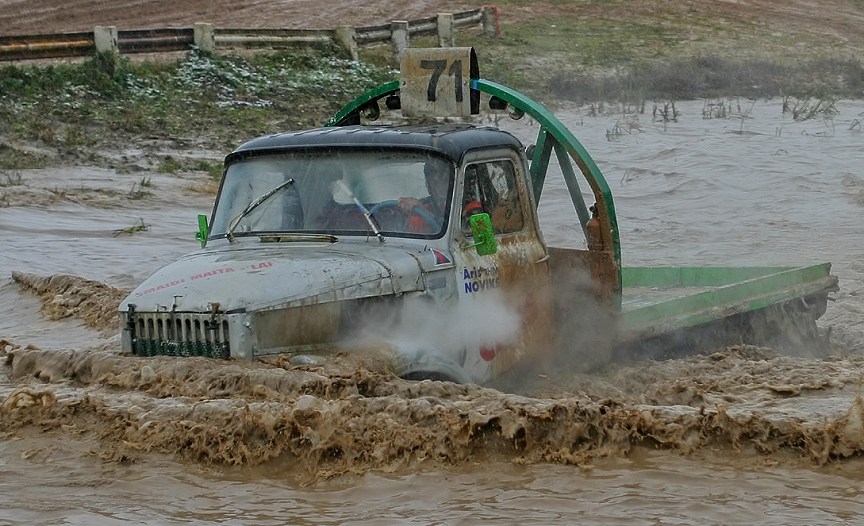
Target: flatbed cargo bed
<point>661,300</point>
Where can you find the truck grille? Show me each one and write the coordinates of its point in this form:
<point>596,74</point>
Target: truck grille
<point>179,334</point>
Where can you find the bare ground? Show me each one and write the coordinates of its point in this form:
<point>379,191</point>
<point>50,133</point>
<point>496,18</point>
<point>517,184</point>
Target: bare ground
<point>44,16</point>
<point>832,23</point>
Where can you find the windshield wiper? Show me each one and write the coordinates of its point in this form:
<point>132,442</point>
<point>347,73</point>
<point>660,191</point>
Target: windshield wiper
<point>252,206</point>
<point>280,238</point>
<point>363,210</point>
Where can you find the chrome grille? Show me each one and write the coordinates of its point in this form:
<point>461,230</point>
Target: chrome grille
<point>178,334</point>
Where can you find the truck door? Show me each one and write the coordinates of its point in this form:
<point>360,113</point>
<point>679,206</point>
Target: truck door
<point>506,292</point>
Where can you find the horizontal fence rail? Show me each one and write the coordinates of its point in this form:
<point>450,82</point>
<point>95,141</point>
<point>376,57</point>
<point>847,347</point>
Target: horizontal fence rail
<point>253,38</point>
<point>154,40</point>
<point>206,37</point>
<point>46,46</point>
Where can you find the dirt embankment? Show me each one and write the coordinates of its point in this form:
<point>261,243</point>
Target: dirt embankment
<point>48,16</point>
<point>837,22</point>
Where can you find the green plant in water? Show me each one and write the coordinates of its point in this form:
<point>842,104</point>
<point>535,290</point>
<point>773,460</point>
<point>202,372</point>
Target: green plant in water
<point>213,169</point>
<point>807,108</point>
<point>716,110</point>
<point>140,226</point>
<point>137,192</point>
<point>667,113</point>
<point>170,165</point>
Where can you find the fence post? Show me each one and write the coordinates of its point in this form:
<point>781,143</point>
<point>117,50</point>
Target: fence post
<point>105,39</point>
<point>346,38</point>
<point>445,30</point>
<point>204,38</point>
<point>398,39</point>
<point>489,21</point>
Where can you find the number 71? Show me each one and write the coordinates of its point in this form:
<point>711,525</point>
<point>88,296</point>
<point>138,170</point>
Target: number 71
<point>438,67</point>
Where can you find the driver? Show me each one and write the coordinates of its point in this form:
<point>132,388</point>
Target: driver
<point>426,215</point>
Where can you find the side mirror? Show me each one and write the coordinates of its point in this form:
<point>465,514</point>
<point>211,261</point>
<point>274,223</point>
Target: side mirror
<point>203,231</point>
<point>484,234</point>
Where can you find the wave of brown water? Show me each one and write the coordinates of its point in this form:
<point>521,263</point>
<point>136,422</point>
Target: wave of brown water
<point>741,434</point>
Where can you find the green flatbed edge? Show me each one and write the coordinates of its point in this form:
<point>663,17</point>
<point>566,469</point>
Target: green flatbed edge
<point>658,300</point>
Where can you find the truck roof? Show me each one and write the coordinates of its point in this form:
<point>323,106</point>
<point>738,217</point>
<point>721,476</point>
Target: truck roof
<point>451,140</point>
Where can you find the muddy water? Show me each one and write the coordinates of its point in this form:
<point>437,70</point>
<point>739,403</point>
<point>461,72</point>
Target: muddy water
<point>735,435</point>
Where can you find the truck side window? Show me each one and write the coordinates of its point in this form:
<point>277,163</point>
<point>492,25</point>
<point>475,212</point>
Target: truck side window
<point>491,187</point>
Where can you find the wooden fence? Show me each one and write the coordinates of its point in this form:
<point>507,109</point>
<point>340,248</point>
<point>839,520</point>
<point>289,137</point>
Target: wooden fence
<point>206,37</point>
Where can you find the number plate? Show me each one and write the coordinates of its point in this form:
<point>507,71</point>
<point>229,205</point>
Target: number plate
<point>436,82</point>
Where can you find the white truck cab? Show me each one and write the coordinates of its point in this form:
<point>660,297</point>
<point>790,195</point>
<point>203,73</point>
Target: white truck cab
<point>325,239</point>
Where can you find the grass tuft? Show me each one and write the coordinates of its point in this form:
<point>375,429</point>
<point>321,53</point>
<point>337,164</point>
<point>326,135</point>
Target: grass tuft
<point>140,226</point>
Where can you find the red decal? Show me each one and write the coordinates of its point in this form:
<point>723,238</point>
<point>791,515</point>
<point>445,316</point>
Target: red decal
<point>440,258</point>
<point>160,287</point>
<point>212,273</point>
<point>488,353</point>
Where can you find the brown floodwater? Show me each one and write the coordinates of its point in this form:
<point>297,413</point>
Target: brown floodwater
<point>732,435</point>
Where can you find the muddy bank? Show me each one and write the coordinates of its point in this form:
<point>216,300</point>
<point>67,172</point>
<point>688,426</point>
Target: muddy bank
<point>71,296</point>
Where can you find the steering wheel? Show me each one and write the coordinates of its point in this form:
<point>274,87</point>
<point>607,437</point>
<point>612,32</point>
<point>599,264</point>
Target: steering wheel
<point>419,211</point>
<point>383,205</point>
<point>427,217</point>
<point>388,215</point>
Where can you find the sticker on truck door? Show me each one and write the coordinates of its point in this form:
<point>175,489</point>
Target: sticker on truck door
<point>476,279</point>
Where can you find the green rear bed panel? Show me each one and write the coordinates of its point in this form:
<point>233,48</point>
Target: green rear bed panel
<point>661,299</point>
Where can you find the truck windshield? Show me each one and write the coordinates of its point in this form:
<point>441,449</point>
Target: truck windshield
<point>397,193</point>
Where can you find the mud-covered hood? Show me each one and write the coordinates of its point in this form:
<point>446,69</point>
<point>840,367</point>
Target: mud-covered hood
<point>260,276</point>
